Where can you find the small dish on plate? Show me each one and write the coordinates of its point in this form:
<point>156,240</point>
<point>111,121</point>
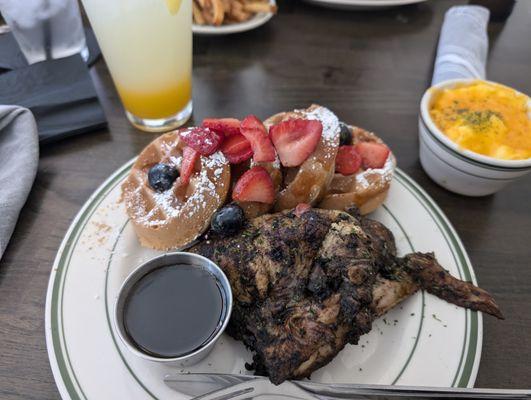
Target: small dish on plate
<point>257,20</point>
<point>460,170</point>
<point>155,317</point>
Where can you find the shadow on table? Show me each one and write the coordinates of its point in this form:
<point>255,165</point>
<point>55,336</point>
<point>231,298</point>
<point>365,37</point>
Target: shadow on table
<point>397,20</point>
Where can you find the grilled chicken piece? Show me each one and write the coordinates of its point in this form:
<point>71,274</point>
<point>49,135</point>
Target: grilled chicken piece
<point>305,286</point>
<point>399,278</point>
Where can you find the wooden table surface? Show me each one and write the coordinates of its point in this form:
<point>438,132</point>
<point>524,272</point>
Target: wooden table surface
<point>371,68</point>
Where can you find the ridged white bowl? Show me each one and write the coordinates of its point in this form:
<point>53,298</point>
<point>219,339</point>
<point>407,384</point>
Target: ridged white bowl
<point>459,170</point>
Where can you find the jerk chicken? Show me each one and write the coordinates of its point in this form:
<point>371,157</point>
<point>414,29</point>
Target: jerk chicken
<point>307,284</point>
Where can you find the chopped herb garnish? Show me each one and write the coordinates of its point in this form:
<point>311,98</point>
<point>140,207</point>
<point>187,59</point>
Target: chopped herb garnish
<point>435,317</point>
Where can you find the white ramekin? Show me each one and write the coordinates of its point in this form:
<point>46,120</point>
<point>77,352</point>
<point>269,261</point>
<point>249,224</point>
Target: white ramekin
<point>456,169</point>
<point>161,261</point>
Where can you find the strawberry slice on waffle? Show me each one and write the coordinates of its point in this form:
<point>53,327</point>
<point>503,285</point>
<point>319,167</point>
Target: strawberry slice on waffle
<point>295,139</point>
<point>254,185</point>
<point>373,155</point>
<point>255,132</point>
<point>203,140</point>
<point>224,126</point>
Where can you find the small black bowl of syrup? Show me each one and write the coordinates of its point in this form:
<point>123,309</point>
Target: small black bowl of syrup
<point>173,308</point>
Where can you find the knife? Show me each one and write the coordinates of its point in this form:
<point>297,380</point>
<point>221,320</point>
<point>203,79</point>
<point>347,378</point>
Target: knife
<point>195,384</point>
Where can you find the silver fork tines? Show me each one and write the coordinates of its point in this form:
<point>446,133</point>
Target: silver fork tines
<point>255,388</point>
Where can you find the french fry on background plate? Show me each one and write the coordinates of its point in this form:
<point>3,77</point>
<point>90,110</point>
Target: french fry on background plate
<point>218,12</point>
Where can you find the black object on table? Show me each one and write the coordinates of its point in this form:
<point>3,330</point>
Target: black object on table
<point>61,95</point>
<point>59,92</point>
<point>500,10</point>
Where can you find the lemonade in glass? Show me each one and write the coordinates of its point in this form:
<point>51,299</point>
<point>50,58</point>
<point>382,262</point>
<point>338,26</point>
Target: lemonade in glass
<point>147,45</point>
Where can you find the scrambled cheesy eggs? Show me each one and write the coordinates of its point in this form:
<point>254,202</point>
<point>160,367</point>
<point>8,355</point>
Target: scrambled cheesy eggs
<point>485,118</point>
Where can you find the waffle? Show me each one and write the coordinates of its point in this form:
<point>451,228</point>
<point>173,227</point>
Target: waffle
<point>174,218</point>
<point>366,189</point>
<point>308,183</point>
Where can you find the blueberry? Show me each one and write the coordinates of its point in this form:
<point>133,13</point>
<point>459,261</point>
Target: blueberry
<point>345,136</point>
<point>161,176</point>
<point>228,220</point>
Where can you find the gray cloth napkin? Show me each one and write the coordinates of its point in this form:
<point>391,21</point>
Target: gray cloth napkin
<point>463,44</point>
<point>19,156</point>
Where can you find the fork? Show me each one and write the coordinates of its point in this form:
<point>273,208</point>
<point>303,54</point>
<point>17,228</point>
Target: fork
<point>258,387</point>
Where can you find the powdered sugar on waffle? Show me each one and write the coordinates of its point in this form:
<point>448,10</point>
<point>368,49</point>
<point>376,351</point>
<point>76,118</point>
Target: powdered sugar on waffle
<point>171,207</point>
<point>386,172</point>
<point>166,148</point>
<point>215,160</point>
<point>328,120</point>
<point>175,161</point>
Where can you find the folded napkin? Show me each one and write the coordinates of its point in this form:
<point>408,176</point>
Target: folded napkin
<point>19,154</point>
<point>463,44</point>
<point>60,94</point>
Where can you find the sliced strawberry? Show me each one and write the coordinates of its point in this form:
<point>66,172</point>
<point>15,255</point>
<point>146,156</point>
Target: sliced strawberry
<point>256,133</point>
<point>295,140</point>
<point>373,155</point>
<point>255,185</point>
<point>348,160</point>
<point>225,126</point>
<point>301,209</point>
<point>190,157</point>
<point>236,148</point>
<point>204,140</point>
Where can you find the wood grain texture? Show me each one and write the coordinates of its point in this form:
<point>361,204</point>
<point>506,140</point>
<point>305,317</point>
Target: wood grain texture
<point>371,68</point>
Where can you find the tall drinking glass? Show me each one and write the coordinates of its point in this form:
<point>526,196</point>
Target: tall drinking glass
<point>45,29</point>
<point>147,45</point>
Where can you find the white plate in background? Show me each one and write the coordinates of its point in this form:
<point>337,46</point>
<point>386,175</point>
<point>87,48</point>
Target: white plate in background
<point>252,23</point>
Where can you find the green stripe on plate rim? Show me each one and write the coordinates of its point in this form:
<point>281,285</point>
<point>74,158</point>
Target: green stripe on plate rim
<point>423,303</point>
<point>60,268</point>
<point>472,318</point>
<point>66,373</point>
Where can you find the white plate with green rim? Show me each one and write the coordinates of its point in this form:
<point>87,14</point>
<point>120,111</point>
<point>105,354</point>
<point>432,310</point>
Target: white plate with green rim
<point>424,341</point>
